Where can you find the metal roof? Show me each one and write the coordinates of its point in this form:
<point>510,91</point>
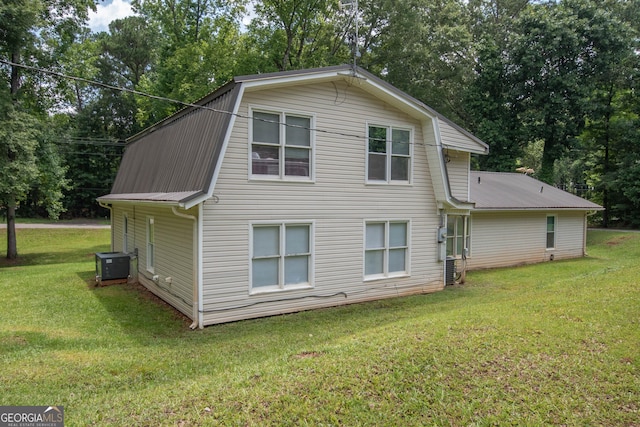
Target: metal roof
<point>176,157</point>
<point>516,191</point>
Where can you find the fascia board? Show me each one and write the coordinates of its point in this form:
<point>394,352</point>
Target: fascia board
<point>225,143</point>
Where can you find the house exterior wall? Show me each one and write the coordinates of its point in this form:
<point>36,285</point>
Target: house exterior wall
<point>501,239</point>
<point>338,203</point>
<point>457,164</point>
<point>173,251</point>
<point>454,138</point>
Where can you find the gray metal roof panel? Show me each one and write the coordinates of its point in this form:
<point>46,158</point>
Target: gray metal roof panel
<point>516,191</point>
<point>178,155</point>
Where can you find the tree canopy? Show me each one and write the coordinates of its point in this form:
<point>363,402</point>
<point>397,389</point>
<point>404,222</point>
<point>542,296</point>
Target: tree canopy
<point>550,85</point>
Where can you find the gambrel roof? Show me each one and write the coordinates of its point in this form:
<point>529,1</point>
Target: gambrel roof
<point>516,191</point>
<point>176,161</point>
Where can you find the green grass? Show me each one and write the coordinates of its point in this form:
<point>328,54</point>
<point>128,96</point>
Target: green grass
<point>551,344</point>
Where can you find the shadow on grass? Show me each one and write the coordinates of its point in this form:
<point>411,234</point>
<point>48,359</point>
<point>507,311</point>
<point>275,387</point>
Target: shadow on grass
<point>146,318</point>
<point>54,257</point>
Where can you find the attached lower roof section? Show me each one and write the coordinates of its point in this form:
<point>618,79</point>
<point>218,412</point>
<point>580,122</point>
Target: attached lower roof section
<point>516,191</point>
<point>180,198</point>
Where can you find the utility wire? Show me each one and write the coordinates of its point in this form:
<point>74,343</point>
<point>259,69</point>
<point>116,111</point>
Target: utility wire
<point>184,104</point>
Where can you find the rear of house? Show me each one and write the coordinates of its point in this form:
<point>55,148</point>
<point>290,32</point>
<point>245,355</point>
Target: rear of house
<point>321,187</point>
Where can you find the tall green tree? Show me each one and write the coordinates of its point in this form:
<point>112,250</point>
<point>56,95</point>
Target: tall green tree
<point>300,34</point>
<point>196,44</point>
<point>36,32</point>
<point>557,53</point>
<point>421,47</point>
<point>488,105</point>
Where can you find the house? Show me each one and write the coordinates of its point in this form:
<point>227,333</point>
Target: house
<point>291,191</point>
<point>535,221</point>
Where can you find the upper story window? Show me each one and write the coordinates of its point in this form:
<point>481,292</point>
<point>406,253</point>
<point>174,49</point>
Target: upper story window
<point>281,145</point>
<point>389,154</point>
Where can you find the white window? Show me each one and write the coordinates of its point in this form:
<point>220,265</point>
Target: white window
<point>125,233</point>
<point>281,256</point>
<point>151,241</point>
<point>389,154</point>
<point>551,232</point>
<point>281,145</point>
<point>458,236</point>
<point>386,251</point>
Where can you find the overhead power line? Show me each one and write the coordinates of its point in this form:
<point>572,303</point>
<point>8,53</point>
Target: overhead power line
<point>182,103</point>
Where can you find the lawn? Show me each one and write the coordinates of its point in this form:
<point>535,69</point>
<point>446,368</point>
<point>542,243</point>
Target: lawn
<point>551,344</point>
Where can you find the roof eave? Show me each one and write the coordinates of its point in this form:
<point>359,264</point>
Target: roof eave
<point>539,209</point>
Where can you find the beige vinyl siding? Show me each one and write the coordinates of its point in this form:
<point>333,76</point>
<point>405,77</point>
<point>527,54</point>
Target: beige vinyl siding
<point>173,251</point>
<point>118,228</point>
<point>457,164</point>
<point>501,239</point>
<point>338,202</point>
<point>454,138</point>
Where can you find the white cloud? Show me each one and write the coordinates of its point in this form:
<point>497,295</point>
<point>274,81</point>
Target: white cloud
<point>107,12</point>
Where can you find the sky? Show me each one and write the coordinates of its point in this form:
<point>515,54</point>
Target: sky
<point>106,12</point>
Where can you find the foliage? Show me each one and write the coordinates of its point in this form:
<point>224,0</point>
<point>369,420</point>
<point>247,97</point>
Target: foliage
<point>550,85</point>
<point>19,135</point>
<point>534,345</point>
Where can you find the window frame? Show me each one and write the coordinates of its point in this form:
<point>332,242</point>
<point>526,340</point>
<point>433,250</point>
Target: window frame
<point>553,232</point>
<point>282,256</point>
<point>386,274</point>
<point>455,238</point>
<point>125,232</point>
<point>389,155</point>
<point>282,144</point>
<point>151,244</point>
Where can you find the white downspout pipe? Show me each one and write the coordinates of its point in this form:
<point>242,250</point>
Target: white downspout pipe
<point>195,301</point>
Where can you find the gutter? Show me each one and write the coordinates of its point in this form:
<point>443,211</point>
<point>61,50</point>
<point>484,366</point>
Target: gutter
<point>195,303</point>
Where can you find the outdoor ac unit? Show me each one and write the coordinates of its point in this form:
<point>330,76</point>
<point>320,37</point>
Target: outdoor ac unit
<point>112,266</point>
<point>450,271</point>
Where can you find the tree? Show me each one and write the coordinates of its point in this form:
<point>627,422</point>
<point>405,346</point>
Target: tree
<point>489,110</point>
<point>36,31</point>
<point>556,56</point>
<point>298,34</point>
<point>423,48</point>
<point>195,43</point>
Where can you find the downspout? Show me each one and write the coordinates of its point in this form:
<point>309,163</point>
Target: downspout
<point>194,303</point>
<point>107,206</point>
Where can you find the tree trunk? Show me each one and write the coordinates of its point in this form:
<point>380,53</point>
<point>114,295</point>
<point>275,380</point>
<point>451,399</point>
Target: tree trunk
<point>12,245</point>
<point>548,160</point>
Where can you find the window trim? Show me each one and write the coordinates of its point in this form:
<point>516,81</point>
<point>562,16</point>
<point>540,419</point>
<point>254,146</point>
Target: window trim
<point>389,154</point>
<point>125,232</point>
<point>466,235</point>
<point>555,232</point>
<point>151,245</point>
<point>385,268</point>
<point>282,113</point>
<point>282,287</point>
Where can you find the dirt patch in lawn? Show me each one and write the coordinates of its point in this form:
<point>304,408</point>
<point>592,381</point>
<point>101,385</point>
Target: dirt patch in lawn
<point>617,240</point>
